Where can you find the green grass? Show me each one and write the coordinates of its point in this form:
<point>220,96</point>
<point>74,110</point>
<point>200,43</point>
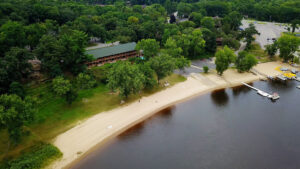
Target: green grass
<point>259,53</point>
<point>34,157</point>
<point>56,116</point>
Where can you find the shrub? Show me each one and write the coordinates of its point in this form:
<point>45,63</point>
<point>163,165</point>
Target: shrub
<point>37,157</point>
<point>205,69</point>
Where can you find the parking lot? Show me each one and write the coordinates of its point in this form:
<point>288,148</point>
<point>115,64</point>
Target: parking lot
<point>267,30</point>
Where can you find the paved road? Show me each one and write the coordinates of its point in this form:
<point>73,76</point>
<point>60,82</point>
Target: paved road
<point>197,67</point>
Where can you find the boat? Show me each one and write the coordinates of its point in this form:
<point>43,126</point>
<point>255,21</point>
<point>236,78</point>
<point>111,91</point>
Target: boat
<point>298,87</point>
<point>275,96</point>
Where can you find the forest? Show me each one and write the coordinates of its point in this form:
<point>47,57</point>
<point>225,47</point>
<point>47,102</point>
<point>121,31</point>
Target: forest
<point>56,33</point>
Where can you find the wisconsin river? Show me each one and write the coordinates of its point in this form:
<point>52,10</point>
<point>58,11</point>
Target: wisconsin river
<point>233,128</point>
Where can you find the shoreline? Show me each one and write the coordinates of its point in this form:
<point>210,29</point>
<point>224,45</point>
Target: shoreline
<point>95,132</point>
<point>111,137</point>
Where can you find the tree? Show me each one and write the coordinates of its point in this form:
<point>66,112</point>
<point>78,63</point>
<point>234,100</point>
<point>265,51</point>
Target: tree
<point>85,81</point>
<point>234,19</point>
<point>126,78</point>
<point>12,34</point>
<point>133,20</point>
<point>15,113</point>
<point>13,67</point>
<point>64,88</point>
<point>223,58</point>
<point>288,45</point>
<point>172,18</point>
<point>163,65</point>
<point>34,32</point>
<point>205,69</point>
<point>248,34</point>
<point>210,40</point>
<point>49,52</point>
<point>149,74</point>
<point>61,86</point>
<point>245,61</point>
<point>172,49</point>
<point>17,88</point>
<point>208,22</point>
<point>182,62</point>
<point>150,47</point>
<point>73,51</point>
<point>295,24</point>
<point>184,9</point>
<point>196,18</point>
<point>197,43</point>
<point>271,49</point>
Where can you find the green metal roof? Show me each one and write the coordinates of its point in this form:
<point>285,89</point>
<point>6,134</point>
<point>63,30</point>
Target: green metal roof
<point>112,50</point>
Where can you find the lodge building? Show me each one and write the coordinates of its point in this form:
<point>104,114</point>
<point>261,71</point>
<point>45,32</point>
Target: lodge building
<point>112,53</point>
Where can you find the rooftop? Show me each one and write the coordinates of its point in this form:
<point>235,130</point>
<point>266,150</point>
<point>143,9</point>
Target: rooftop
<point>112,50</point>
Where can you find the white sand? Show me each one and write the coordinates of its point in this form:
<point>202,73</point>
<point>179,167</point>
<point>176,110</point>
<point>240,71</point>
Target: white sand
<point>104,126</point>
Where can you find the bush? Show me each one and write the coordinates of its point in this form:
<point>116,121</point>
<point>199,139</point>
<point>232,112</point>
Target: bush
<point>296,60</point>
<point>205,69</point>
<point>231,42</point>
<point>37,157</point>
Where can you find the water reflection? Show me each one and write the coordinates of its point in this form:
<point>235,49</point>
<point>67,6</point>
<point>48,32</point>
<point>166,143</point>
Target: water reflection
<point>220,97</point>
<point>133,131</point>
<point>138,129</point>
<point>236,91</point>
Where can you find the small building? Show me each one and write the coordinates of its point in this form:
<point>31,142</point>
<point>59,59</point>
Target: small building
<point>112,53</point>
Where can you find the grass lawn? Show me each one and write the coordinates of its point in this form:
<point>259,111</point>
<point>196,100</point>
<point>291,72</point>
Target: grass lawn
<point>260,54</point>
<point>56,116</point>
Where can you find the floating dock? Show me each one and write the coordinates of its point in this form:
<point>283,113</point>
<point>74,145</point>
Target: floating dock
<point>297,79</point>
<point>273,96</point>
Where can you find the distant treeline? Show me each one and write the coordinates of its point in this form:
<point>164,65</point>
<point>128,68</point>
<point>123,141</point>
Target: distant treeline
<point>267,10</point>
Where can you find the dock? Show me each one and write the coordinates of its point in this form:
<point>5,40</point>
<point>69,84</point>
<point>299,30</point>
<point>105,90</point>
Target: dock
<point>297,79</point>
<point>273,96</point>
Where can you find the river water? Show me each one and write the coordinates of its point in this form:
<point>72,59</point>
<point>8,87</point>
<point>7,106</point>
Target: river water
<point>233,128</point>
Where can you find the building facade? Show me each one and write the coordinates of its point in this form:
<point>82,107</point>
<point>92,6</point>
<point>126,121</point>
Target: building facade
<point>112,54</point>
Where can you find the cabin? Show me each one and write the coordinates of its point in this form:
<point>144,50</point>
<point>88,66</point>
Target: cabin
<point>112,54</point>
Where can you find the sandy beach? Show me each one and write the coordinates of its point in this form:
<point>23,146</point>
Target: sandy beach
<point>78,141</point>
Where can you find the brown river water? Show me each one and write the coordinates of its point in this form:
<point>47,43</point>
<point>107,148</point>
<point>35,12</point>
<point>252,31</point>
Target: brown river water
<point>233,128</point>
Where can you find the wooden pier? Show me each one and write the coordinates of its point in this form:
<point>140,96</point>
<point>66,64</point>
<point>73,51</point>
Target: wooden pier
<point>273,96</point>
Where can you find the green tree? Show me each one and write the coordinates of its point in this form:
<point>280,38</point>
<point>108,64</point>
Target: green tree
<point>163,65</point>
<point>208,22</point>
<point>223,58</point>
<point>64,88</point>
<point>34,33</point>
<point>17,88</point>
<point>172,49</point>
<point>13,67</point>
<point>295,24</point>
<point>85,81</point>
<point>61,86</point>
<point>245,61</point>
<point>150,47</point>
<point>149,74</point>
<point>234,19</point>
<point>196,18</point>
<point>271,49</point>
<point>248,34</point>
<point>184,9</point>
<point>12,34</point>
<point>126,78</point>
<point>288,45</point>
<point>16,113</point>
<point>133,20</point>
<point>210,40</point>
